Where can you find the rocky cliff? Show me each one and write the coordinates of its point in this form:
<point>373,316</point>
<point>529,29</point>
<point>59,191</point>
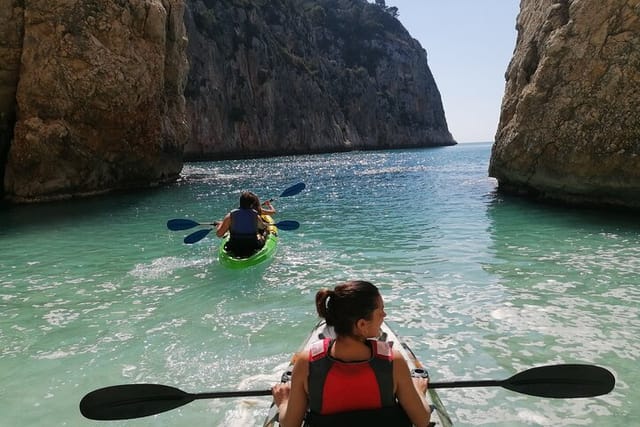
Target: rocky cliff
<point>102,95</point>
<point>569,128</point>
<point>91,95</point>
<point>295,76</point>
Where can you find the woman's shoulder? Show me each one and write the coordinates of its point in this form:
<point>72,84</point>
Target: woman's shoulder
<point>300,362</point>
<point>301,356</point>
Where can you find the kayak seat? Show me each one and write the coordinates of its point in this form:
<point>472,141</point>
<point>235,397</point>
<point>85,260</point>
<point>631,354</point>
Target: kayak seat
<point>239,253</point>
<point>242,248</point>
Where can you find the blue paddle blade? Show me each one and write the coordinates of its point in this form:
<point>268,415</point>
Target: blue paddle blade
<point>288,225</point>
<point>197,236</point>
<point>293,190</point>
<point>181,224</point>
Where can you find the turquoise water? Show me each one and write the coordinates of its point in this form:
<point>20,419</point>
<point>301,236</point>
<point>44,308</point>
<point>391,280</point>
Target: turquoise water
<point>98,292</point>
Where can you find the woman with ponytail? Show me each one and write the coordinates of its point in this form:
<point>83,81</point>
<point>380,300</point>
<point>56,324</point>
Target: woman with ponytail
<point>352,379</point>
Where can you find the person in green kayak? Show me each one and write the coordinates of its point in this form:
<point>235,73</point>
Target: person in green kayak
<point>247,230</point>
<point>354,371</point>
<point>266,208</point>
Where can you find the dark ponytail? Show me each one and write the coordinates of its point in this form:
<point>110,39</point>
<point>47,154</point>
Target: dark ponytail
<point>346,304</point>
<point>322,299</point>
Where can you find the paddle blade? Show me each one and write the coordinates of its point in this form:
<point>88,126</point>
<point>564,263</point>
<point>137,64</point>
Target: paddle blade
<point>197,236</point>
<point>121,402</point>
<point>288,225</point>
<point>181,224</point>
<point>293,190</point>
<point>562,381</point>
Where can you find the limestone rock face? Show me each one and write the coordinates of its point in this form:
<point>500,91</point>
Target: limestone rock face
<point>99,98</point>
<point>570,121</point>
<point>102,95</point>
<point>281,77</point>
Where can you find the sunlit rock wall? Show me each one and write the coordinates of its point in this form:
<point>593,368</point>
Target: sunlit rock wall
<point>570,122</point>
<point>99,102</point>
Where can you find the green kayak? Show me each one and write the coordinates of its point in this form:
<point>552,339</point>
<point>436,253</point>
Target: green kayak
<point>267,251</point>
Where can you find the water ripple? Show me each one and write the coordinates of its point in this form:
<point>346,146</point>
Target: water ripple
<point>480,285</point>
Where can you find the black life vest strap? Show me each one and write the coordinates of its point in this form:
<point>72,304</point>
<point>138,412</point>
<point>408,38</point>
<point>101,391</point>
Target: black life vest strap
<point>384,417</point>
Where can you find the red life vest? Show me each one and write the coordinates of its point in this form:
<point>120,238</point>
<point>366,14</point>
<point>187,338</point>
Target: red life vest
<point>336,386</point>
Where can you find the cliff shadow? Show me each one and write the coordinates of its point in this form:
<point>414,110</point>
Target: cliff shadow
<point>7,122</point>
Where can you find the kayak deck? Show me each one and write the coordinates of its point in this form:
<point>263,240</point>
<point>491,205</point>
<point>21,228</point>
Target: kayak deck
<point>439,416</point>
<point>266,252</point>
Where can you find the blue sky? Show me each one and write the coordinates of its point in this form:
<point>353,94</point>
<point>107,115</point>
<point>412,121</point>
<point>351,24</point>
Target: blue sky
<point>469,44</point>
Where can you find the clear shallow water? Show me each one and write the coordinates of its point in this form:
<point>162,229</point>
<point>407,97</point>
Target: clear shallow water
<point>98,292</point>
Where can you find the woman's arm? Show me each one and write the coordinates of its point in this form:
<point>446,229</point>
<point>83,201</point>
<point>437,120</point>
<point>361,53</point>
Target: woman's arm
<point>410,392</point>
<point>291,399</point>
<point>267,208</point>
<point>223,226</point>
